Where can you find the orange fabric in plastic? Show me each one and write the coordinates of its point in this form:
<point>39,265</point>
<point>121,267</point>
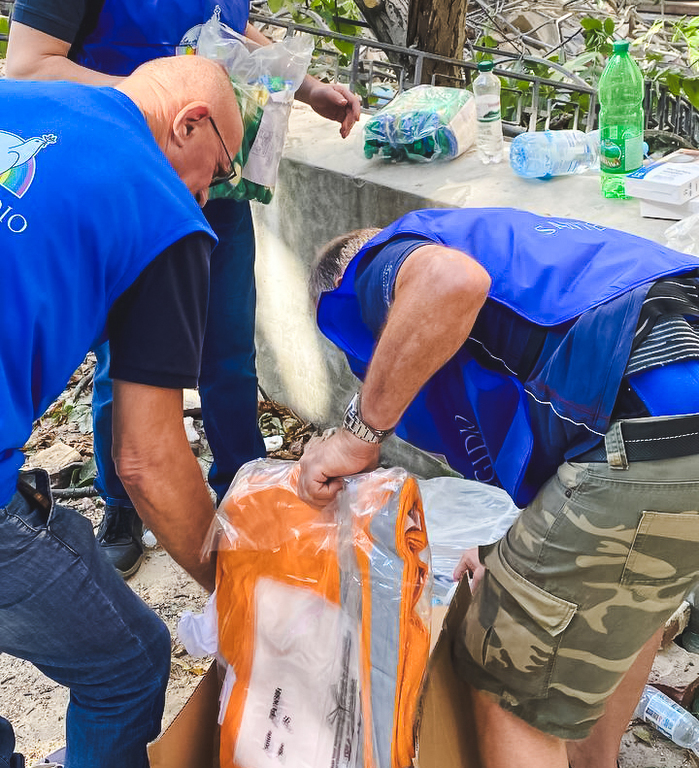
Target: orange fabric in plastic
<point>282,538</point>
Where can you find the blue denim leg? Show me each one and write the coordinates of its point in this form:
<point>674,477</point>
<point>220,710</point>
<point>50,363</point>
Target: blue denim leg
<point>65,609</point>
<point>228,380</point>
<point>7,742</point>
<point>107,482</point>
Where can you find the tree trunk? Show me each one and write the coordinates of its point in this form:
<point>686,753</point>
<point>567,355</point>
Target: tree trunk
<point>388,19</point>
<point>438,26</point>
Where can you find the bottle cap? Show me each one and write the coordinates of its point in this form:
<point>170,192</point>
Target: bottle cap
<point>485,66</point>
<point>621,46</point>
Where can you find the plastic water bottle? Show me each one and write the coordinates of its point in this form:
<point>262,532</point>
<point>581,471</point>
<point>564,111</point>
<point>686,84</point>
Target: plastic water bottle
<point>620,119</point>
<point>542,154</point>
<point>669,718</point>
<point>486,89</point>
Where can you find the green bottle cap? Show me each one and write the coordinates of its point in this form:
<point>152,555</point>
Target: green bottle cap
<point>621,46</point>
<point>485,66</point>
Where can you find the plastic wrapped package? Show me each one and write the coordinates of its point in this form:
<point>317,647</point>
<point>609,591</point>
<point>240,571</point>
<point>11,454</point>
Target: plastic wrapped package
<point>265,78</point>
<point>423,124</point>
<point>324,619</point>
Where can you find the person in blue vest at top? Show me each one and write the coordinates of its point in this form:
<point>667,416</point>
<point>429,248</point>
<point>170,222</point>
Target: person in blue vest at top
<point>102,236</point>
<point>100,41</point>
<point>559,360</point>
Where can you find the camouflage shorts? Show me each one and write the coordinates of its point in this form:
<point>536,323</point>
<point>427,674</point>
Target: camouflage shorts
<point>588,572</point>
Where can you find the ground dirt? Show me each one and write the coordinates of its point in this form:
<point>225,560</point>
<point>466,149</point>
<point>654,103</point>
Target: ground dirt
<point>36,705</point>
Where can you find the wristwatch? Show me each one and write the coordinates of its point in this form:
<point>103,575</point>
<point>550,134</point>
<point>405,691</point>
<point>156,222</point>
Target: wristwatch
<point>353,423</point>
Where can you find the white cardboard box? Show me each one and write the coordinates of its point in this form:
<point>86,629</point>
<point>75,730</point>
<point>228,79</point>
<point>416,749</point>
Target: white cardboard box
<point>674,179</point>
<point>650,209</point>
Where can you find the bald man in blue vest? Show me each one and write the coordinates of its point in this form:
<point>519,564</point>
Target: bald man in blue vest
<point>557,359</point>
<point>99,42</point>
<point>102,236</point>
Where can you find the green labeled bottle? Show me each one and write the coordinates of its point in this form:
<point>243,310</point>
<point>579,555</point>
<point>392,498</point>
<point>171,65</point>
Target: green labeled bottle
<point>620,120</point>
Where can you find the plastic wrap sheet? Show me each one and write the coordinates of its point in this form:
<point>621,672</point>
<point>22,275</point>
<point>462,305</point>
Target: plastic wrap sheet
<point>265,78</point>
<point>461,514</point>
<point>423,124</point>
<point>324,617</point>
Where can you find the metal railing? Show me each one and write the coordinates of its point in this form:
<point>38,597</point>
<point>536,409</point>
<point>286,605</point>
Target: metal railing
<point>5,11</point>
<point>378,70</point>
<point>530,101</point>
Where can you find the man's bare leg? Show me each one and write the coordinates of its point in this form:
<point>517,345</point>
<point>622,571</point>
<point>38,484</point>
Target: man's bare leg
<point>601,748</point>
<point>505,741</point>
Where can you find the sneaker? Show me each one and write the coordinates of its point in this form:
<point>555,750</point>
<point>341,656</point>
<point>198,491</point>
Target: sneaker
<point>54,760</point>
<point>119,537</point>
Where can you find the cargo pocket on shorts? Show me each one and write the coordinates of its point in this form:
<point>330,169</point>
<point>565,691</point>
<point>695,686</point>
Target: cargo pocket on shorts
<point>662,558</point>
<point>516,630</point>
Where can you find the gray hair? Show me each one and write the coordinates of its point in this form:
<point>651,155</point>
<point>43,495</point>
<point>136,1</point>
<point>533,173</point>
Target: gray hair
<point>333,258</point>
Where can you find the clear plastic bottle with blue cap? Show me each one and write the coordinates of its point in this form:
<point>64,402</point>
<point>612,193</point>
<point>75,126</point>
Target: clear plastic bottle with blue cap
<point>543,154</point>
<point>669,718</point>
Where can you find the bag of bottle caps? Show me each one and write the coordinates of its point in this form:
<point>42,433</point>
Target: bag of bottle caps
<point>422,124</point>
<point>265,78</point>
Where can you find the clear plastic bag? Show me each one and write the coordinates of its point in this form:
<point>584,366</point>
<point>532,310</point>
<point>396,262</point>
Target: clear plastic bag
<point>324,619</point>
<point>423,124</point>
<point>265,78</point>
<point>461,514</point>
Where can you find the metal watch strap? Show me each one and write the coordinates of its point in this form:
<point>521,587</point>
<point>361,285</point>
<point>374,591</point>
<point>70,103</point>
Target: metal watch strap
<point>353,423</point>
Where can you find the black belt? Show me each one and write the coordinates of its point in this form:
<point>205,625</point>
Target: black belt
<point>653,439</point>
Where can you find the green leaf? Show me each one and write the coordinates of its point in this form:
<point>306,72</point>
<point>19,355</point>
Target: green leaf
<point>590,23</point>
<point>345,47</point>
<point>609,26</point>
<point>691,88</point>
<point>643,734</point>
<point>275,5</point>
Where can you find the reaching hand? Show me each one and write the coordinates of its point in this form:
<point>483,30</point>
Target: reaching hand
<point>470,566</point>
<point>327,459</point>
<point>335,102</point>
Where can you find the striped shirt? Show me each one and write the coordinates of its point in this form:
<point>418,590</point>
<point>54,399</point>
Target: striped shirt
<point>667,332</point>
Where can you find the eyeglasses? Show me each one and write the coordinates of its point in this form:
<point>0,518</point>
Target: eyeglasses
<point>231,174</point>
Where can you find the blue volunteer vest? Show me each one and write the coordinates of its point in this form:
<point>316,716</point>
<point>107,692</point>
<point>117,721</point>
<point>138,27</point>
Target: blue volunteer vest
<point>131,32</point>
<point>582,282</point>
<point>85,205</point>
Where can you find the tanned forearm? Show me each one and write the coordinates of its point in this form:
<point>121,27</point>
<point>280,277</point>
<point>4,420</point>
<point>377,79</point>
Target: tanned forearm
<point>34,55</point>
<point>161,475</point>
<point>438,295</point>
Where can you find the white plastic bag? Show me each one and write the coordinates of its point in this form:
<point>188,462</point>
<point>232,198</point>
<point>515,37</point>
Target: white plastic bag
<point>461,514</point>
<point>265,78</point>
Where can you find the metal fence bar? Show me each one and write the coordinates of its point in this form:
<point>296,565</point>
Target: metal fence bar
<point>528,108</point>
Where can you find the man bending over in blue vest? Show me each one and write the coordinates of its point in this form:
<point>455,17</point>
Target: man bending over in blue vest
<point>558,360</point>
<point>102,236</point>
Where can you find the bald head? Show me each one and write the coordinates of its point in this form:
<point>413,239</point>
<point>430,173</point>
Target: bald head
<point>179,96</point>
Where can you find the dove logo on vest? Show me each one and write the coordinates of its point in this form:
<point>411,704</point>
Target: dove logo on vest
<point>17,169</point>
<point>190,40</point>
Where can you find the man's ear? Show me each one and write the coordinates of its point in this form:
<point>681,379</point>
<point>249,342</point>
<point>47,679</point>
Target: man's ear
<point>188,119</point>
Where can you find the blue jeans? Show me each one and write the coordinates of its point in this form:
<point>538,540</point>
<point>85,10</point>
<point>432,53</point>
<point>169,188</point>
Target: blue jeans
<point>7,742</point>
<point>64,608</point>
<point>228,380</point>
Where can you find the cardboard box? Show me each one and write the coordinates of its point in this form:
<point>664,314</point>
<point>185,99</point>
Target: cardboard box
<point>673,179</point>
<point>445,732</point>
<point>650,209</point>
